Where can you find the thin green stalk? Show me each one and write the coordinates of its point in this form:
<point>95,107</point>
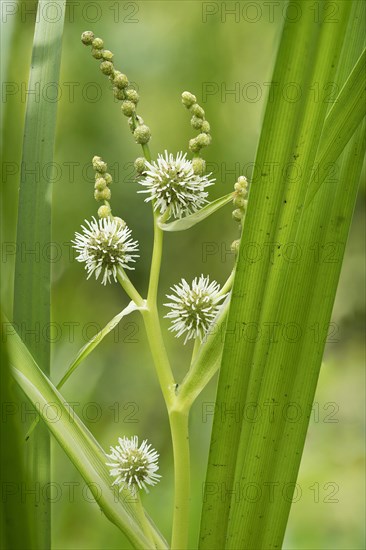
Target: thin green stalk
<point>152,324</point>
<point>178,419</point>
<point>142,518</point>
<point>158,543</point>
<point>146,151</point>
<point>158,352</point>
<point>196,348</point>
<point>130,290</point>
<point>155,263</point>
<point>178,426</point>
<point>180,435</point>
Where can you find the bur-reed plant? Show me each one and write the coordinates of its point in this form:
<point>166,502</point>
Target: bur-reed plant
<point>273,211</point>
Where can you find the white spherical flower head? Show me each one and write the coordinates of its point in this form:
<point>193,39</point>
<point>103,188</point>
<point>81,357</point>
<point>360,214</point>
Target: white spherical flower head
<point>173,186</point>
<point>194,307</point>
<point>133,467</point>
<point>105,246</point>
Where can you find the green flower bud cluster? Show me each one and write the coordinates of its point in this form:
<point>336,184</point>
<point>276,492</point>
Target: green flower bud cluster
<point>142,134</point>
<point>122,89</point>
<point>101,186</point>
<point>240,202</point>
<point>199,123</point>
<point>199,166</point>
<point>98,52</point>
<point>125,93</point>
<point>140,165</point>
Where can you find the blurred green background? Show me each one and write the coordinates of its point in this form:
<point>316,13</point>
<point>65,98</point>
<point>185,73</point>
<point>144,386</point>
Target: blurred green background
<point>166,48</point>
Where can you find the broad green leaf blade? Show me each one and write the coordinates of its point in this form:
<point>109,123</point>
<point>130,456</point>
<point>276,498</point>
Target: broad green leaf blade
<point>321,289</point>
<point>95,341</point>
<point>308,52</point>
<point>318,284</point>
<point>287,377</point>
<point>271,447</point>
<point>78,443</point>
<point>32,270</point>
<point>298,43</point>
<point>197,217</point>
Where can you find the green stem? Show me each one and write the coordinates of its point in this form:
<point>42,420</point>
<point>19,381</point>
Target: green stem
<point>155,263</point>
<point>159,543</point>
<point>129,288</point>
<point>146,151</point>
<point>196,347</point>
<point>178,419</point>
<point>145,525</point>
<point>152,325</point>
<point>159,354</point>
<point>180,436</point>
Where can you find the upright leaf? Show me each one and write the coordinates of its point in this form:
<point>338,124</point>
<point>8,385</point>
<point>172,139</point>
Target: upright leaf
<point>267,294</point>
<point>32,270</point>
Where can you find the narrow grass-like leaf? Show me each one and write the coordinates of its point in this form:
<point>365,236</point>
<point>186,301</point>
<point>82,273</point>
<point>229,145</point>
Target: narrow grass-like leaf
<point>32,270</point>
<point>308,53</point>
<point>86,350</point>
<point>340,124</point>
<point>197,217</point>
<point>95,341</point>
<point>78,443</point>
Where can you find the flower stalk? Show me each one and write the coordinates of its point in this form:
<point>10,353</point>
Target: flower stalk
<point>180,437</point>
<point>176,187</point>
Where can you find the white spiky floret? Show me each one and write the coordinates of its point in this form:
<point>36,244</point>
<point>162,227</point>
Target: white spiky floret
<point>194,307</point>
<point>133,466</point>
<point>172,185</point>
<point>105,246</point>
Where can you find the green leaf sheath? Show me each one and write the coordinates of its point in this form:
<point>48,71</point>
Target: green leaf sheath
<point>261,372</point>
<point>32,270</point>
